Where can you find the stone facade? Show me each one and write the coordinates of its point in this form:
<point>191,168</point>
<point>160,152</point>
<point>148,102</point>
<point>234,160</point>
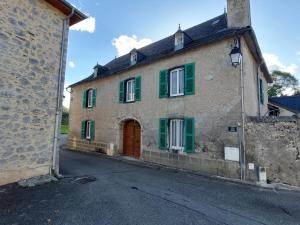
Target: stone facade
<point>30,41</point>
<point>215,106</point>
<point>274,143</point>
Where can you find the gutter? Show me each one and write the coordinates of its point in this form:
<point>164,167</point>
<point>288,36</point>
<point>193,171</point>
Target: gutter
<point>55,168</point>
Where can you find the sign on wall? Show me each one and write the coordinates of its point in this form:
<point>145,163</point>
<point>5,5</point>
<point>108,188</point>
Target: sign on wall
<point>232,154</point>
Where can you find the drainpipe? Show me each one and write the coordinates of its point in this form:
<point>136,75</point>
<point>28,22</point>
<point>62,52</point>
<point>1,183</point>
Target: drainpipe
<point>243,113</point>
<point>55,168</point>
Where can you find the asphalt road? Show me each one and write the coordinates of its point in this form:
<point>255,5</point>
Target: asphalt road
<point>126,193</point>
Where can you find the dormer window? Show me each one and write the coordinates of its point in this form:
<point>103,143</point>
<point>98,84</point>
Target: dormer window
<point>96,70</point>
<point>179,39</point>
<point>133,58</point>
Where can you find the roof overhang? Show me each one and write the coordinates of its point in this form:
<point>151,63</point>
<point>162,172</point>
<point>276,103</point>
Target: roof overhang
<point>252,42</point>
<point>66,8</point>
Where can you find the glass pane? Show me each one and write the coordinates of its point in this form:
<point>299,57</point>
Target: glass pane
<point>174,82</point>
<point>181,82</point>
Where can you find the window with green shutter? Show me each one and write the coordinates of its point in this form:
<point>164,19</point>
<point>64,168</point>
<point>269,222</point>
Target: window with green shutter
<point>163,133</point>
<point>189,81</point>
<point>94,97</point>
<point>83,126</point>
<point>84,98</point>
<point>163,84</point>
<point>138,88</point>
<point>189,133</point>
<point>121,91</point>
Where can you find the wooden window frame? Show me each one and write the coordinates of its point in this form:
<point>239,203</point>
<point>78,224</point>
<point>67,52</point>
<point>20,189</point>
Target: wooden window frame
<point>179,134</point>
<point>89,102</point>
<point>127,82</point>
<point>88,129</point>
<point>177,70</point>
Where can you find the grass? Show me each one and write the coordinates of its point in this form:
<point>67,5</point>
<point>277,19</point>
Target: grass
<point>64,129</point>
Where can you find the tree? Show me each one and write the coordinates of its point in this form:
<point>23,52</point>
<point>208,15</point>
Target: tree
<point>283,81</point>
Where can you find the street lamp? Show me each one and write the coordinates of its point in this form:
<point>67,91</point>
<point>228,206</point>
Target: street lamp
<point>235,54</point>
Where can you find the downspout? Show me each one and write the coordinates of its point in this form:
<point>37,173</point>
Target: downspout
<point>55,168</point>
<point>243,112</point>
<point>257,85</point>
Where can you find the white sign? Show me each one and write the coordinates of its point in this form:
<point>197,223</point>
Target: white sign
<point>232,154</point>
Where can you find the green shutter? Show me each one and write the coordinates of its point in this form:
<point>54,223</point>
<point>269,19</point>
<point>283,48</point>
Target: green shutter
<point>83,129</point>
<point>121,91</point>
<point>189,82</point>
<point>189,133</point>
<point>163,133</point>
<point>163,84</point>
<point>92,130</point>
<point>94,97</point>
<point>84,99</point>
<point>138,90</point>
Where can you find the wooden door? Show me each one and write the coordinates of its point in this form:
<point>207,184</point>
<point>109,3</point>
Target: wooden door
<point>132,139</point>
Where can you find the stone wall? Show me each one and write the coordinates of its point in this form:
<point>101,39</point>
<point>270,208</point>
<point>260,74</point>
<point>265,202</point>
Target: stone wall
<point>194,162</point>
<point>274,143</point>
<point>30,40</point>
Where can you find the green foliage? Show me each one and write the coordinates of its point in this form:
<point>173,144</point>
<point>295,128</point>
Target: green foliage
<point>64,129</point>
<point>281,82</point>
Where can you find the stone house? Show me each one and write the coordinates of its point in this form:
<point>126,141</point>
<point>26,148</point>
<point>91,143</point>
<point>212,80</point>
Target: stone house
<point>33,48</point>
<point>181,101</point>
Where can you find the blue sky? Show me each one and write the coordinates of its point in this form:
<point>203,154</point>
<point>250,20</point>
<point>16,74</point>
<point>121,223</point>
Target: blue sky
<point>132,23</point>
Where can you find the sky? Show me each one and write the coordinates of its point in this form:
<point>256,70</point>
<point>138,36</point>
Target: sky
<point>114,27</point>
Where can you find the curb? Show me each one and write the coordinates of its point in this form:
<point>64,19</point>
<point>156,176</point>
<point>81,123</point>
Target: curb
<point>142,163</point>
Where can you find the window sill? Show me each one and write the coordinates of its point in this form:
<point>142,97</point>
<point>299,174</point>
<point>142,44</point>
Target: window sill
<point>127,102</point>
<point>179,95</point>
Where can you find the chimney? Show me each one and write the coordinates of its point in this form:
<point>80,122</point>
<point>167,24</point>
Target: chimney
<point>238,13</point>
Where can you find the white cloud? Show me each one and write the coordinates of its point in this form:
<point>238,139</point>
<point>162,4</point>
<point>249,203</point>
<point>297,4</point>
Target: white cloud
<point>67,96</point>
<point>298,53</point>
<point>125,44</point>
<point>87,25</point>
<point>71,64</point>
<point>274,63</point>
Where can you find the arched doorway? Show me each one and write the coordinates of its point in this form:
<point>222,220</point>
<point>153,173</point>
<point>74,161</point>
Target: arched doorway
<point>132,139</point>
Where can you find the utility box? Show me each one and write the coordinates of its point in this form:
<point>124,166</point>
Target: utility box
<point>262,174</point>
<point>232,154</point>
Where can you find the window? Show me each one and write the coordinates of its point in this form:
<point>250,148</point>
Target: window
<point>177,82</point>
<point>261,91</point>
<point>176,134</point>
<point>133,58</point>
<point>88,130</point>
<point>130,90</point>
<point>90,98</point>
<point>179,40</point>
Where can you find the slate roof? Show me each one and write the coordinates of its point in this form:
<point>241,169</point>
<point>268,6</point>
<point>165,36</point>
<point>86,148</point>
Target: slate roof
<point>291,103</point>
<point>202,34</point>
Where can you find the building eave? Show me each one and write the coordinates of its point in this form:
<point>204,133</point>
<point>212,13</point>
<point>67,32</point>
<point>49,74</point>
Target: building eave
<point>66,8</point>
